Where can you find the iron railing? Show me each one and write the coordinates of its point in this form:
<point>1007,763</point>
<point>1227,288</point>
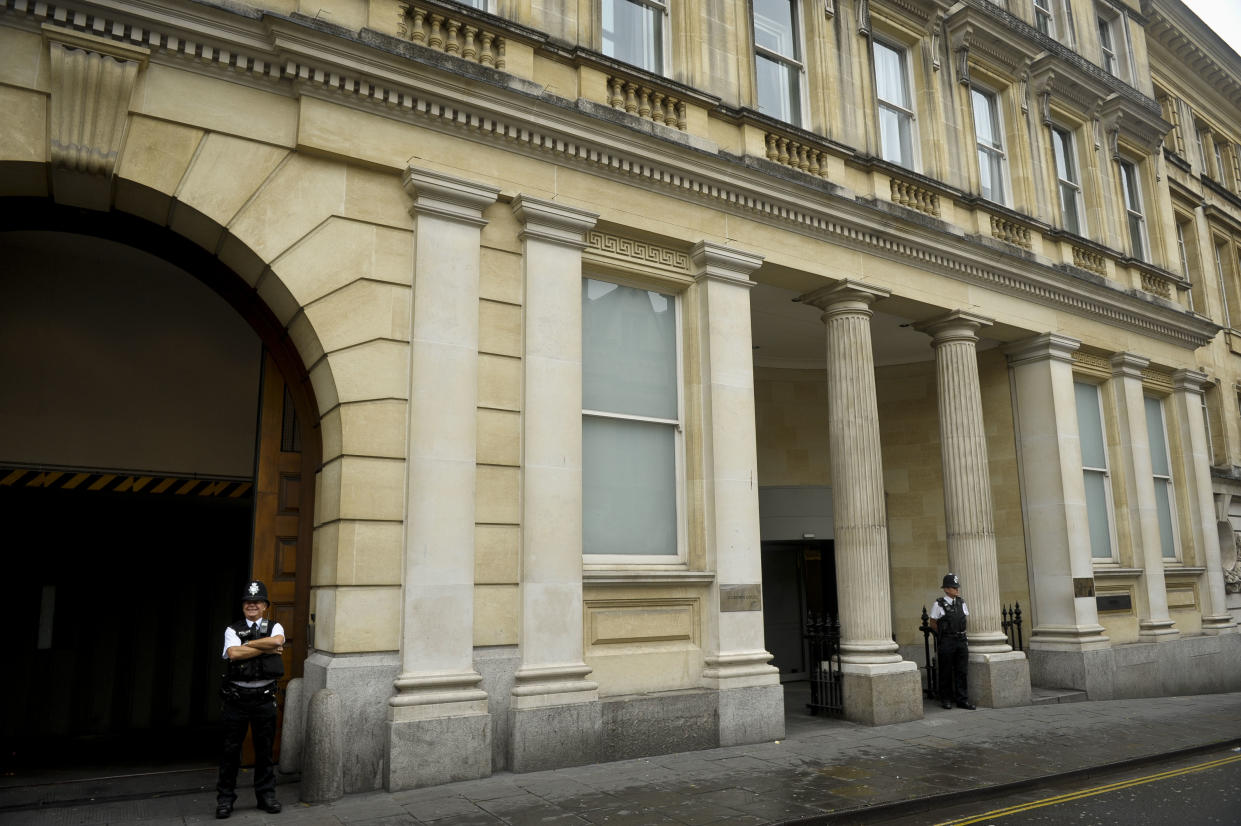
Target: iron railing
<point>1010,623</point>
<point>822,638</point>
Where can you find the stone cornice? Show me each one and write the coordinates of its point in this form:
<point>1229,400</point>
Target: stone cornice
<point>393,78</point>
<point>552,222</point>
<point>1204,53</point>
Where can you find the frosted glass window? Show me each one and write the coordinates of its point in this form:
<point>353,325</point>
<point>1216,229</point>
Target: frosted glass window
<point>1094,470</point>
<point>634,32</point>
<point>630,421</point>
<point>1161,469</point>
<point>895,106</point>
<point>629,491</point>
<point>629,363</point>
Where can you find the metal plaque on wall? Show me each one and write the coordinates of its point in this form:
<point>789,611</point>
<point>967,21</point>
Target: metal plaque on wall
<point>741,598</point>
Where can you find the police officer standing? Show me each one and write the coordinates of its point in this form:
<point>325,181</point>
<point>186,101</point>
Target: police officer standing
<point>949,616</point>
<point>252,648</point>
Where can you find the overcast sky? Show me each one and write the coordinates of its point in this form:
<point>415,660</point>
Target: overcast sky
<point>1222,15</point>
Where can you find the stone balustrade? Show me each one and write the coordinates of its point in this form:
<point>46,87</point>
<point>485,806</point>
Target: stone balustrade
<point>1089,261</point>
<point>453,35</point>
<point>647,102</point>
<point>915,197</point>
<point>1156,285</point>
<point>789,152</point>
<point>1010,231</point>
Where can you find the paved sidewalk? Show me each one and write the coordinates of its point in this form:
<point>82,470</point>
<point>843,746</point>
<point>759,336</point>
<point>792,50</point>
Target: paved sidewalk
<point>823,771</point>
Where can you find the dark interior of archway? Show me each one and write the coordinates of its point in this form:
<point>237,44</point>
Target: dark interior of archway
<point>115,602</point>
<point>123,672</point>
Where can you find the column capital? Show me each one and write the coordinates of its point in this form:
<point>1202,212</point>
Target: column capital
<point>957,325</point>
<point>720,263</point>
<point>1129,365</point>
<point>1192,381</point>
<point>1045,347</point>
<point>553,222</point>
<point>453,199</point>
<point>845,296</point>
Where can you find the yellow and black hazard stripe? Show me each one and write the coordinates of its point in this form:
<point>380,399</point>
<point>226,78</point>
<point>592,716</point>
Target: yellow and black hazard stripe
<point>120,481</point>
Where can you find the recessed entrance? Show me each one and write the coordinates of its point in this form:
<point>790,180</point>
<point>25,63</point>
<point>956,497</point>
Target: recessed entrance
<point>158,443</point>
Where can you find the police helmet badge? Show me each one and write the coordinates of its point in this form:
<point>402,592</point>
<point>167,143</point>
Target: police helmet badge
<point>256,591</point>
<point>951,581</point>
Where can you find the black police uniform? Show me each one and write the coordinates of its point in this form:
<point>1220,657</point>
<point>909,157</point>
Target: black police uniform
<point>249,701</point>
<point>952,649</point>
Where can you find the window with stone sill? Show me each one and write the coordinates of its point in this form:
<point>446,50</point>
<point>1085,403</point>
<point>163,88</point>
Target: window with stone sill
<point>897,137</point>
<point>1095,472</point>
<point>632,443</point>
<point>635,31</point>
<point>1161,470</point>
<point>1226,272</point>
<point>1187,256</point>
<point>1068,180</point>
<point>1054,18</point>
<point>778,64</point>
<point>1113,41</point>
<point>481,5</point>
<point>989,141</point>
<point>1135,212</point>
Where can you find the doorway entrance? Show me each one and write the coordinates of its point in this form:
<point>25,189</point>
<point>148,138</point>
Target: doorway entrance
<point>158,444</point>
<point>799,581</point>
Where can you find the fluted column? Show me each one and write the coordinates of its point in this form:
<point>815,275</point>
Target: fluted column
<point>863,584</point>
<point>751,704</point>
<point>556,719</point>
<point>968,519</point>
<point>439,700</point>
<point>1195,470</point>
<point>1133,443</point>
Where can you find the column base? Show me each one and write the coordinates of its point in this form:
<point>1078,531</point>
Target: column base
<point>1219,624</point>
<point>879,695</point>
<point>999,680</point>
<point>1157,631</point>
<point>754,714</point>
<point>434,750</point>
<point>1092,671</point>
<point>555,736</point>
<point>364,683</point>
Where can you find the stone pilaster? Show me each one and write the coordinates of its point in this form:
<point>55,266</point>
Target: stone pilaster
<point>751,701</point>
<point>1195,470</point>
<point>880,687</point>
<point>968,517</point>
<point>439,729</point>
<point>1067,645</point>
<point>1132,455</point>
<point>554,713</point>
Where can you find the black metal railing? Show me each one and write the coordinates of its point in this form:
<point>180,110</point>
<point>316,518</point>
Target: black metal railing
<point>1010,621</point>
<point>932,663</point>
<point>823,650</point>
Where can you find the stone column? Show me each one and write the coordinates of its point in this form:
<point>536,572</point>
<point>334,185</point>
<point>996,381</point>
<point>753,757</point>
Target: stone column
<point>1067,645</point>
<point>998,675</point>
<point>439,729</point>
<point>1132,455</point>
<point>555,716</point>
<point>1195,470</point>
<point>879,686</point>
<point>751,701</point>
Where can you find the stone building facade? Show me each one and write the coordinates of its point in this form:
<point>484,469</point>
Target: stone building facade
<point>615,332</point>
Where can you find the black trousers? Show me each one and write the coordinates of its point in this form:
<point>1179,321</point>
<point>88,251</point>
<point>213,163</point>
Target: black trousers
<point>254,709</point>
<point>954,660</point>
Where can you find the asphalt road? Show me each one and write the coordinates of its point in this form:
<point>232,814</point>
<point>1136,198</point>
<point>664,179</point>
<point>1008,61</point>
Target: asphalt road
<point>1191,791</point>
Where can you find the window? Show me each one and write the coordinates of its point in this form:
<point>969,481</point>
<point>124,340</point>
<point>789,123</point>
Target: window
<point>778,59</point>
<point>633,31</point>
<point>895,105</point>
<point>631,423</point>
<point>1094,470</point>
<point>481,5</point>
<point>1107,47</point>
<point>1067,179</point>
<point>990,140</point>
<point>1220,174</point>
<point>1131,192</point>
<point>1202,147</point>
<point>1044,19</point>
<point>1185,248</point>
<point>1225,281</point>
<point>1161,468</point>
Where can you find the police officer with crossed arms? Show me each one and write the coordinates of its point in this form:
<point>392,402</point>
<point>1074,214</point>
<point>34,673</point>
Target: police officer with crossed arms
<point>252,648</point>
<point>948,618</point>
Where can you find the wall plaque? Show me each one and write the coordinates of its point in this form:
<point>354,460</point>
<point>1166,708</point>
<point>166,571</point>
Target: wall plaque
<point>741,598</point>
<point>1083,586</point>
<point>1115,602</point>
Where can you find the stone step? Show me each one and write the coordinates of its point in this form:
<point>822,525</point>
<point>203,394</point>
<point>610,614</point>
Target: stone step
<point>1045,696</point>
